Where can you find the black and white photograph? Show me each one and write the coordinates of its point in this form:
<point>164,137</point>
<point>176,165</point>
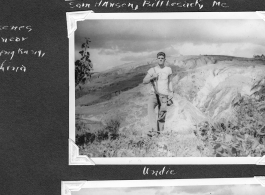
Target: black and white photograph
<point>169,87</point>
<point>217,186</point>
<point>185,190</point>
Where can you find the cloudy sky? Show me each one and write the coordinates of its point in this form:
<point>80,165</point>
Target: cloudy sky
<point>116,42</point>
<point>185,190</point>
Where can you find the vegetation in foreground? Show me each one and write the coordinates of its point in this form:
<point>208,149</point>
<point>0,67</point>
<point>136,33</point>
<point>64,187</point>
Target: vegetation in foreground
<point>110,142</point>
<point>244,137</point>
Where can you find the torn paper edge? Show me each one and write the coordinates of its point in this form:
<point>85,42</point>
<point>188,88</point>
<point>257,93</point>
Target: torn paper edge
<point>68,186</point>
<point>75,159</point>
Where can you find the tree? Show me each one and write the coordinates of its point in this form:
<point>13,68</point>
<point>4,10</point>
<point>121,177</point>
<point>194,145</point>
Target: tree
<point>83,66</point>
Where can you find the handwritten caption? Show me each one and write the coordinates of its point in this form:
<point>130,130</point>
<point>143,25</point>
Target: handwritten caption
<point>158,172</point>
<point>148,4</point>
<point>7,55</point>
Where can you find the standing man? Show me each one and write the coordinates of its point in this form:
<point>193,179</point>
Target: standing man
<point>161,87</point>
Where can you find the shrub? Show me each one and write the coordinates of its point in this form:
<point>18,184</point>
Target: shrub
<point>102,134</point>
<point>86,138</point>
<point>84,65</point>
<point>109,132</point>
<point>112,127</point>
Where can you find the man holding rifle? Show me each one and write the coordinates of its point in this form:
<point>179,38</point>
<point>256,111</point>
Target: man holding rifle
<point>161,93</point>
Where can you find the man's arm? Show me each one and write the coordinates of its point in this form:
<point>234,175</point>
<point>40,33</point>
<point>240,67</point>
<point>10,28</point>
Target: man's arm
<point>149,78</point>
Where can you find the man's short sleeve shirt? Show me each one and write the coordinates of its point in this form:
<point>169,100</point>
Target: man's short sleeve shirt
<point>162,82</point>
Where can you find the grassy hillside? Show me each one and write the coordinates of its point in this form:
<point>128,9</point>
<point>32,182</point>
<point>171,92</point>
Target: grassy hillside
<point>210,115</point>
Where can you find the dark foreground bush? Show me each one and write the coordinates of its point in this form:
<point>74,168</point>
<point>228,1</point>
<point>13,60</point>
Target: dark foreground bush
<point>85,139</point>
<point>109,132</point>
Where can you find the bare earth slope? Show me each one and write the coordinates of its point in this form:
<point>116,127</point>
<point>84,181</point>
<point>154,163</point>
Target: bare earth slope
<point>207,91</point>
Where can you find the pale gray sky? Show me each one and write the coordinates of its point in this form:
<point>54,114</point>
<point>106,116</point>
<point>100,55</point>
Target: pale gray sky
<point>185,190</point>
<point>116,42</point>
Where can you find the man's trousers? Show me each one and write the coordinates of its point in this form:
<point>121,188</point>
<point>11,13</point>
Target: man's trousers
<point>157,121</point>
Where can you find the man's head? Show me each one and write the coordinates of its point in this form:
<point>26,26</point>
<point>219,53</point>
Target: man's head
<point>161,57</point>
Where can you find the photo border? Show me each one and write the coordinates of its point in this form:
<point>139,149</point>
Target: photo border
<point>74,157</point>
<point>67,187</point>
